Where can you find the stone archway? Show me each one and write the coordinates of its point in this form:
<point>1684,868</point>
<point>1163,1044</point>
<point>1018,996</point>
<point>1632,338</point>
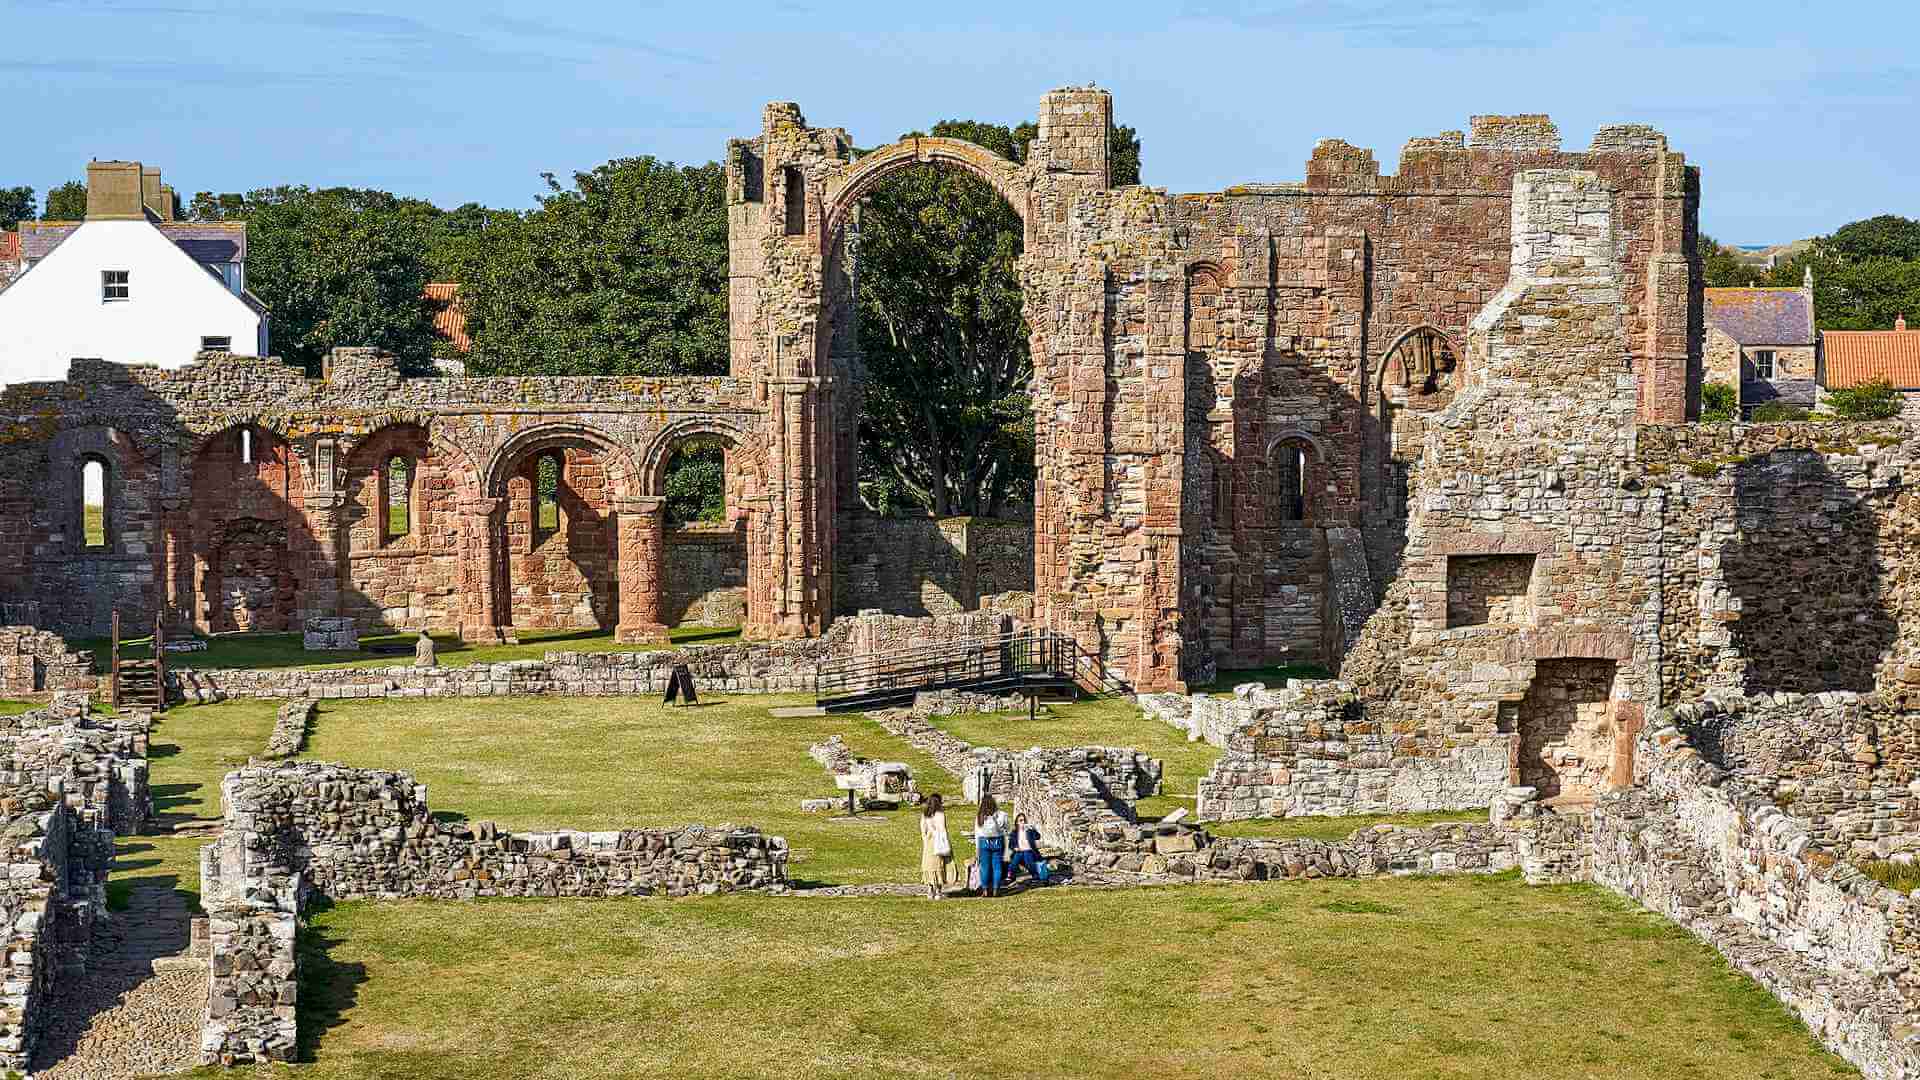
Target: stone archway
<point>688,563</point>
<point>844,190</point>
<point>546,548</point>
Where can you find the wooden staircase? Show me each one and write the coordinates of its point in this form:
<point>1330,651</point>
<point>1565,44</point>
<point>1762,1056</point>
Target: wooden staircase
<point>140,683</point>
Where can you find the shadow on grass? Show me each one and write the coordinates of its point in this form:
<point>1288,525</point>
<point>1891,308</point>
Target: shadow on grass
<point>329,988</point>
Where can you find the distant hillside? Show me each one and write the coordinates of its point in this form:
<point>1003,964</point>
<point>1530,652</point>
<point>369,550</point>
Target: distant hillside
<point>1765,257</point>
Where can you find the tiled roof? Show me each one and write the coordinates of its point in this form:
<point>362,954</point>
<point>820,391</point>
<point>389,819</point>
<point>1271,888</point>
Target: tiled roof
<point>1851,357</point>
<point>450,319</point>
<point>1762,316</point>
<point>206,241</point>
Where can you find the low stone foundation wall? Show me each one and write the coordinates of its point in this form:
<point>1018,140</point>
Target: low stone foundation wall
<point>296,830</point>
<point>1707,849</point>
<point>68,782</point>
<point>773,667</point>
<point>290,726</point>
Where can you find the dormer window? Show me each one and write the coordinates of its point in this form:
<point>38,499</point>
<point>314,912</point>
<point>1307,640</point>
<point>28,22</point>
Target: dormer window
<point>115,286</point>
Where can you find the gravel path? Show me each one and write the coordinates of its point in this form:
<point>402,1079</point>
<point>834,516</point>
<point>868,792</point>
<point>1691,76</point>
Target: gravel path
<point>138,1008</point>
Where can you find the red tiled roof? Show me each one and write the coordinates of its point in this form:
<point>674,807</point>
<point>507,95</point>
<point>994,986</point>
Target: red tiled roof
<point>450,321</point>
<point>1852,357</point>
<point>1762,316</point>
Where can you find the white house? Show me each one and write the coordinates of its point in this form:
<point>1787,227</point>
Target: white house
<point>129,284</point>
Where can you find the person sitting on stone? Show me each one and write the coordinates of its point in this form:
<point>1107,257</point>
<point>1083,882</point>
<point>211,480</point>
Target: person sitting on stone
<point>1023,849</point>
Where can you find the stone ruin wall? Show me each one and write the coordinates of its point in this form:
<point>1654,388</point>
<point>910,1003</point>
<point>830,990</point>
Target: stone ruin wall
<point>69,783</point>
<point>34,661</point>
<point>929,566</point>
<point>298,831</point>
<point>705,575</point>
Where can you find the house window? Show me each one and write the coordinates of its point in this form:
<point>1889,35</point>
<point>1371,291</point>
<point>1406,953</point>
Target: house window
<point>396,502</point>
<point>1763,363</point>
<point>546,497</point>
<point>93,503</point>
<point>216,344</point>
<point>796,200</point>
<point>115,285</point>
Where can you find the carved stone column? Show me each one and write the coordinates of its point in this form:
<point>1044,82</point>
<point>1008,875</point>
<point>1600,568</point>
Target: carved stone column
<point>642,549</point>
<point>480,530</point>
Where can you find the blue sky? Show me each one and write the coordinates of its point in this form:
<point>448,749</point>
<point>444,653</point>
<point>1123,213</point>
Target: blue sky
<point>1802,116</point>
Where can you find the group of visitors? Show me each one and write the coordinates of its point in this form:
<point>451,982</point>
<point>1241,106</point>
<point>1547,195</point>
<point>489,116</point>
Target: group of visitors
<point>1002,848</point>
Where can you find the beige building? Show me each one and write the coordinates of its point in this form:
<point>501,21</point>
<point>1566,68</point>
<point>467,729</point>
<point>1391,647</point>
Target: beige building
<point>1761,341</point>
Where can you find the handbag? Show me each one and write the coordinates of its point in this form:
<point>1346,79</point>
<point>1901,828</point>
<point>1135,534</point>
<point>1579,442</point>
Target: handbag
<point>1040,869</point>
<point>942,845</point>
<point>973,874</point>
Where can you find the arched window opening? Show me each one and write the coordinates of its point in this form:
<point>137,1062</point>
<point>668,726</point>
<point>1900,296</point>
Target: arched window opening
<point>546,496</point>
<point>696,482</point>
<point>396,503</point>
<point>246,446</point>
<point>1291,486</point>
<point>93,504</point>
<point>796,191</point>
<point>1421,363</point>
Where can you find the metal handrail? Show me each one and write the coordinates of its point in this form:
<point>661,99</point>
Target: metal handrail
<point>1026,656</point>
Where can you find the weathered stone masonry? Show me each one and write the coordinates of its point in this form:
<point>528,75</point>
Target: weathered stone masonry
<point>1230,394</point>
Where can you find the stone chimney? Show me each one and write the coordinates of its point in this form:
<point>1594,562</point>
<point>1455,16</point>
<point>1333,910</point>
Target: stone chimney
<point>114,190</point>
<point>155,195</point>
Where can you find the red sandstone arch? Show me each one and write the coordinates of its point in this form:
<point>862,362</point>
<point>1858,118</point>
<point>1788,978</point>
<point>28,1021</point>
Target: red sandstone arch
<point>619,461</point>
<point>845,189</point>
<point>652,475</point>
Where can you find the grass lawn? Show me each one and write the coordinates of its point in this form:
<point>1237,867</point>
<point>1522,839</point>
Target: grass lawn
<point>10,707</point>
<point>603,763</point>
<point>1275,677</point>
<point>1416,978</point>
<point>285,651</point>
<point>192,749</point>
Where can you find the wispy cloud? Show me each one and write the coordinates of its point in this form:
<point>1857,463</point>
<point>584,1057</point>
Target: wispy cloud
<point>591,38</point>
<point>1451,24</point>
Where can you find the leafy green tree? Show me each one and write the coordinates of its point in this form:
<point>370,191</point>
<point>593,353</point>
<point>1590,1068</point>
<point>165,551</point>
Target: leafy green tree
<point>338,266</point>
<point>948,418</point>
<point>16,206</point>
<point>697,482</point>
<point>623,273</point>
<point>1848,294</point>
<point>68,202</point>
<point>1872,400</point>
<point>1718,403</point>
<point>1887,235</point>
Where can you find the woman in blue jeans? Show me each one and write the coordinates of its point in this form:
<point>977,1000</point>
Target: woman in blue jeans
<point>990,839</point>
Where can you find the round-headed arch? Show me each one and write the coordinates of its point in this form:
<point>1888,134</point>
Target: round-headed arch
<point>846,187</point>
<point>659,453</point>
<point>621,474</point>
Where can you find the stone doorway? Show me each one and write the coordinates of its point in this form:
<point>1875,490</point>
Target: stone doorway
<point>1567,729</point>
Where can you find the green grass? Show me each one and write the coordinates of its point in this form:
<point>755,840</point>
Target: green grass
<point>1893,875</point>
<point>252,651</point>
<point>193,747</point>
<point>1384,979</point>
<point>1338,828</point>
<point>397,524</point>
<point>94,526</point>
<point>587,763</point>
<point>10,707</point>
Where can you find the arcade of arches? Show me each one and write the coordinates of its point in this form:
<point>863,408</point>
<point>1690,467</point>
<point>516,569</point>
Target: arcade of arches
<point>1229,392</point>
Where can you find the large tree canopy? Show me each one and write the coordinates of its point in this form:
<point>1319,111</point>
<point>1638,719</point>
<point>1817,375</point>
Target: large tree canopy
<point>68,202</point>
<point>623,273</point>
<point>948,422</point>
<point>1864,275</point>
<point>16,205</point>
<point>338,266</point>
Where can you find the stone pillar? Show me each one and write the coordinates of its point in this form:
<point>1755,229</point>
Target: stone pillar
<point>642,560</point>
<point>480,527</point>
<point>320,579</point>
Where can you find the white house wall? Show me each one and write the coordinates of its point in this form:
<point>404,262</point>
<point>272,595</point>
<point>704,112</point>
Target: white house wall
<point>54,313</point>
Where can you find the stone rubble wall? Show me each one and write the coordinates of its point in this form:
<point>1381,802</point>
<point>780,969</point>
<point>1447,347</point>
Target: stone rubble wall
<point>290,724</point>
<point>704,574</point>
<point>298,830</point>
<point>1703,847</point>
<point>930,566</point>
<point>36,661</point>
<point>774,667</point>
<point>1310,750</point>
<point>68,782</point>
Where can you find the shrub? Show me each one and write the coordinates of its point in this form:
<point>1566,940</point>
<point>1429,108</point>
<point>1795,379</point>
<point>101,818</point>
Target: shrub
<point>1718,403</point>
<point>1904,878</point>
<point>1875,400</point>
<point>1778,410</point>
